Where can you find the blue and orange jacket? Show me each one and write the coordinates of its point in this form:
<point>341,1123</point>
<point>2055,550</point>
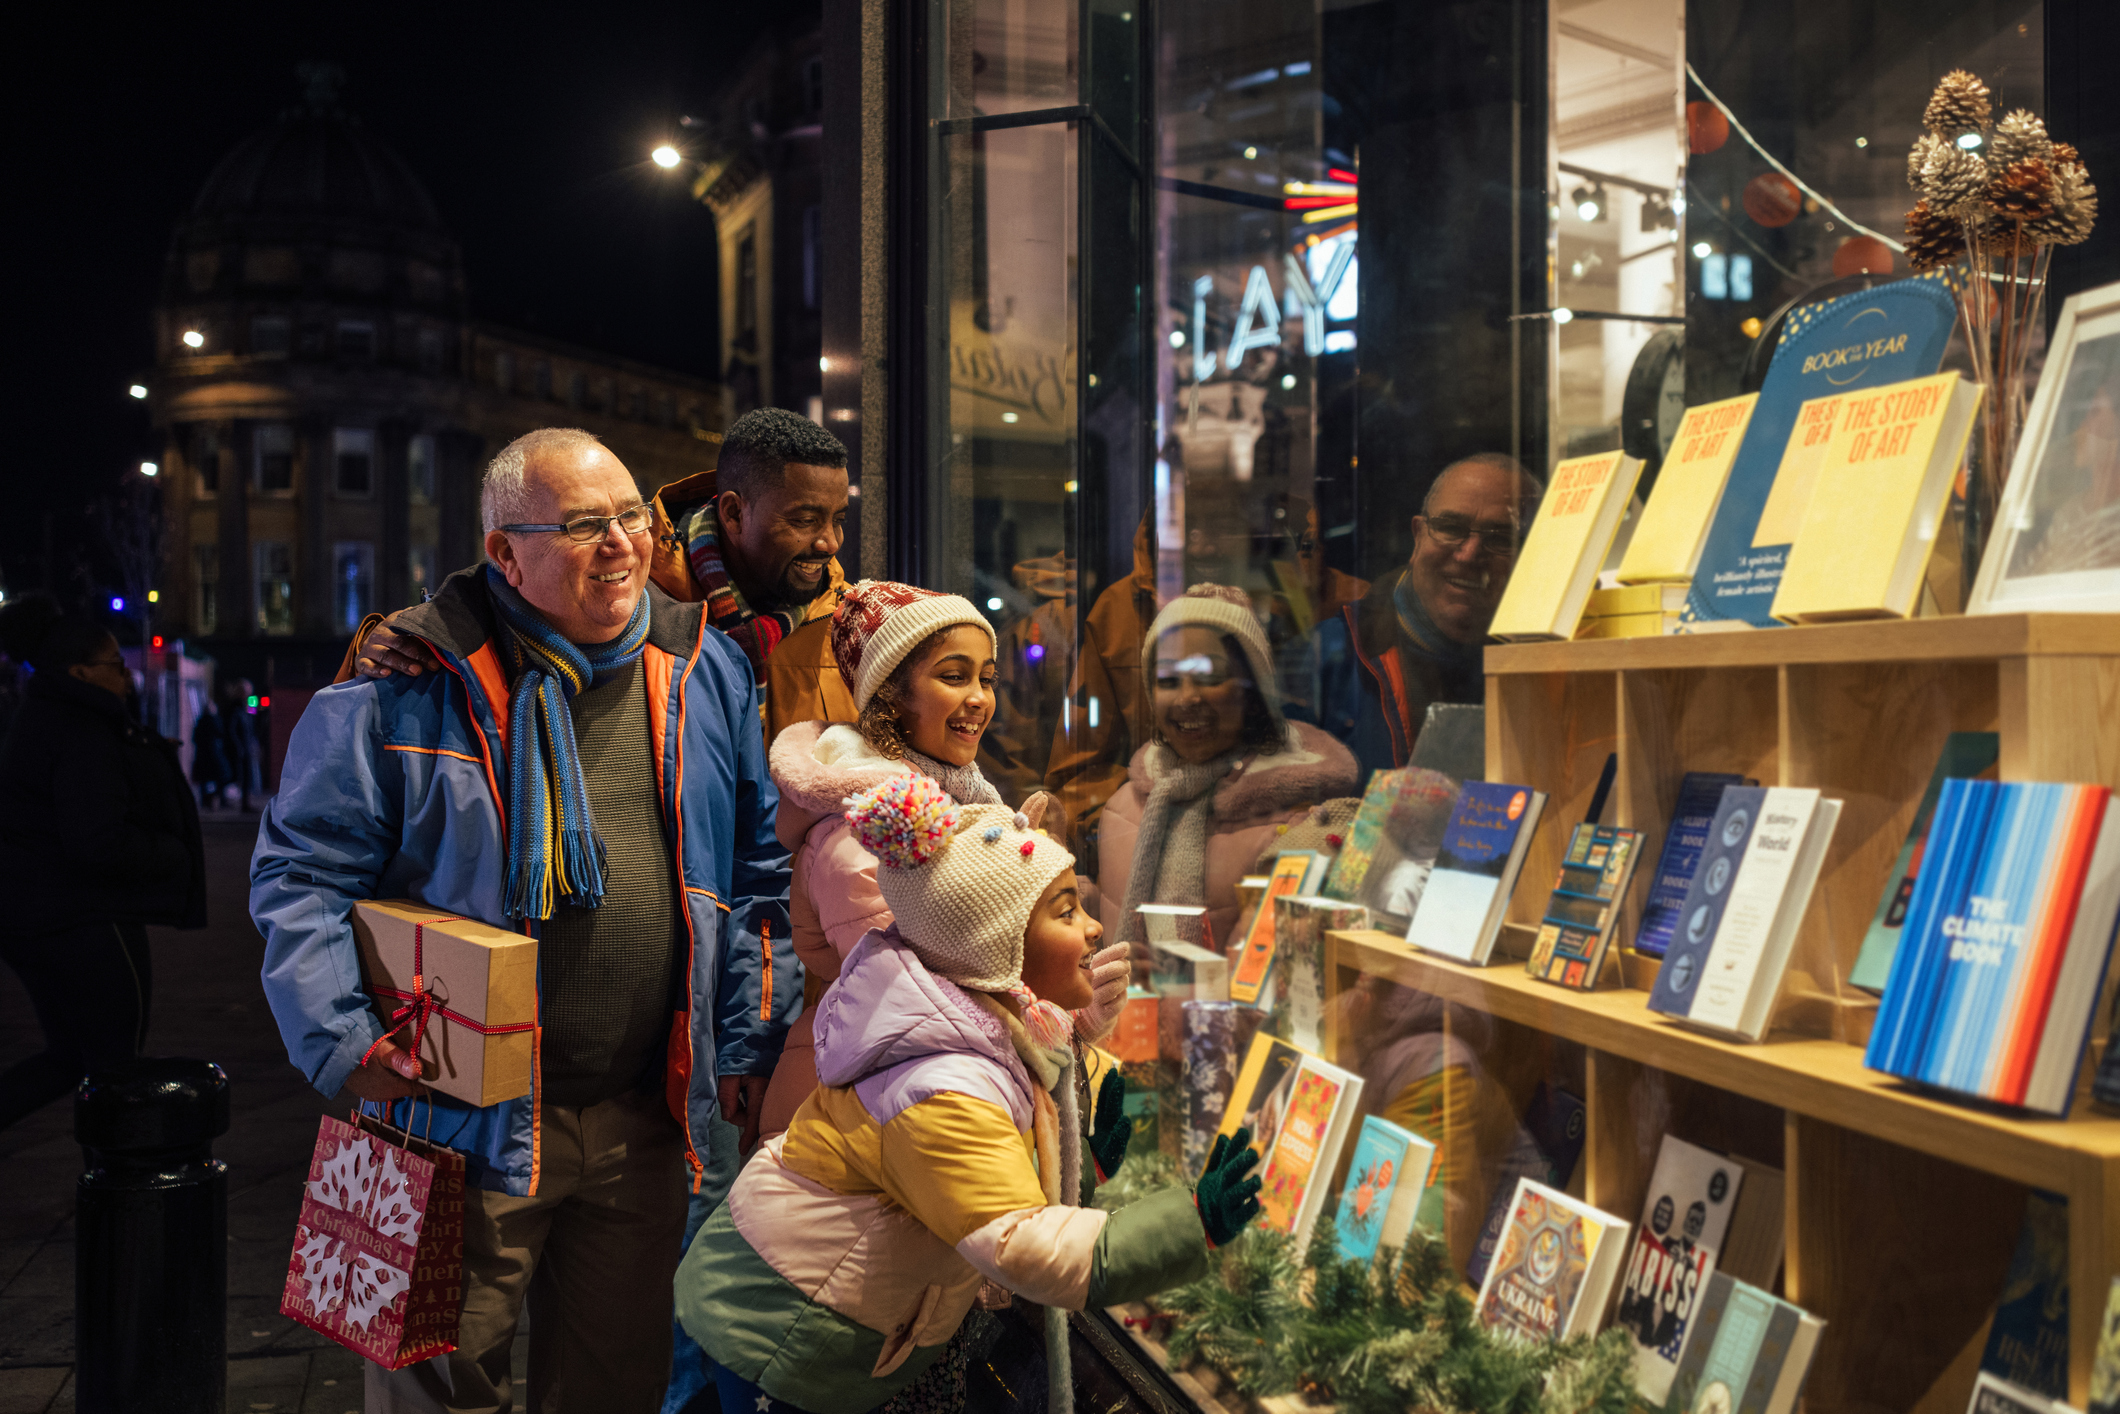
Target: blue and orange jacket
<point>397,789</point>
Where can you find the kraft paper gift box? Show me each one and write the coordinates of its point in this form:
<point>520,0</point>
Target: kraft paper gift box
<point>480,984</point>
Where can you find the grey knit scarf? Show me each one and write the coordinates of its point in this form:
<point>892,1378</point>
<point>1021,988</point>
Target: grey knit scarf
<point>966,784</point>
<point>1170,848</point>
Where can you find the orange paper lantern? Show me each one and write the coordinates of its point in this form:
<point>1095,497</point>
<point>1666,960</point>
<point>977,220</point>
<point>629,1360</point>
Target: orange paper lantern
<point>1772,200</point>
<point>1706,127</point>
<point>1862,255</point>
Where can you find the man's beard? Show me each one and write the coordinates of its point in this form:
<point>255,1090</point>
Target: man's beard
<point>788,593</point>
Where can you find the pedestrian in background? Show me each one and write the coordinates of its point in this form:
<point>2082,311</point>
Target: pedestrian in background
<point>98,837</point>
<point>239,735</point>
<point>209,757</point>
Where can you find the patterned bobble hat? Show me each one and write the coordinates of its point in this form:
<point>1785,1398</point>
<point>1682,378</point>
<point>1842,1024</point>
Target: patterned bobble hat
<point>960,879</point>
<point>879,621</point>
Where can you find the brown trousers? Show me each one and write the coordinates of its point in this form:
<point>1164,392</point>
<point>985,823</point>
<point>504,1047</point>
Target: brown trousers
<point>594,1251</point>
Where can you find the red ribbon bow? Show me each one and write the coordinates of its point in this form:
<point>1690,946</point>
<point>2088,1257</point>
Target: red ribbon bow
<point>421,1007</point>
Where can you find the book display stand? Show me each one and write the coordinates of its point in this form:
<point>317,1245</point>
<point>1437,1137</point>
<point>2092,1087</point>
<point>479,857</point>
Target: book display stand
<point>1902,1207</point>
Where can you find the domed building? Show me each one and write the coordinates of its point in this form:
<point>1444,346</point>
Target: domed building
<point>328,402</point>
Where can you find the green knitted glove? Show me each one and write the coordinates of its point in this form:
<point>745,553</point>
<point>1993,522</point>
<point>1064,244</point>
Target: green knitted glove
<point>1114,1127</point>
<point>1226,1198</point>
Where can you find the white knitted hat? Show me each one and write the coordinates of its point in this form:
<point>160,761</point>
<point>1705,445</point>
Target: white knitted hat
<point>1225,610</point>
<point>961,880</point>
<point>879,621</point>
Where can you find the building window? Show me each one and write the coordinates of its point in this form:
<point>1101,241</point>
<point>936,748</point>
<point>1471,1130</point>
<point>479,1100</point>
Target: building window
<point>356,338</point>
<point>275,577</point>
<point>275,457</point>
<point>205,588</point>
<point>352,583</point>
<point>353,460</point>
<point>271,335</point>
<point>747,282</point>
<point>577,388</point>
<point>812,256</point>
<point>205,461</point>
<point>419,467</point>
<point>420,570</point>
<point>541,379</point>
<point>504,371</point>
<point>430,350</point>
<point>813,87</point>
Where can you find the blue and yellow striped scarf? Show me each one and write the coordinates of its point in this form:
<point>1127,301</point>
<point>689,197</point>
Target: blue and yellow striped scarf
<point>554,853</point>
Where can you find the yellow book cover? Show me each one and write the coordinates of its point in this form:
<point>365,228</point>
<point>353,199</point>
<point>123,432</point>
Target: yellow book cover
<point>1626,626</point>
<point>1801,456</point>
<point>1674,525</point>
<point>1290,871</point>
<point>1561,556</point>
<point>1879,497</point>
<point>1636,599</point>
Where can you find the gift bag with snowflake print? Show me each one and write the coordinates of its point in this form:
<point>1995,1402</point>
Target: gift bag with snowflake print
<point>378,1260</point>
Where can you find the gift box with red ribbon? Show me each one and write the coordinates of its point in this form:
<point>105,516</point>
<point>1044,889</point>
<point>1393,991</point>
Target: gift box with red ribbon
<point>462,992</point>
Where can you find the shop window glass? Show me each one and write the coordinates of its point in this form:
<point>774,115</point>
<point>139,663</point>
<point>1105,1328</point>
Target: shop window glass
<point>206,589</point>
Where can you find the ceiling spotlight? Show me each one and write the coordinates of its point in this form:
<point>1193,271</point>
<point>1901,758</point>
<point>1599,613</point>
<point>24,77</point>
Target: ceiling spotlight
<point>193,339</point>
<point>666,156</point>
<point>1862,142</point>
<point>1563,315</point>
<point>1288,380</point>
<point>1659,213</point>
<point>138,390</point>
<point>1590,202</point>
<point>1177,338</point>
<point>1251,154</point>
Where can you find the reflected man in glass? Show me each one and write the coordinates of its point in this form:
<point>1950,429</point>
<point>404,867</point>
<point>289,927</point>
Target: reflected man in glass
<point>1416,637</point>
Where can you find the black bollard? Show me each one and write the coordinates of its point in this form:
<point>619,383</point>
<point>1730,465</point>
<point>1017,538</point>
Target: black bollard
<point>151,1240</point>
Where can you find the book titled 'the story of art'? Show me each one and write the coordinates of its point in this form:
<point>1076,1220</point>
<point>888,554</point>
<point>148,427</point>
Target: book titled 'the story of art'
<point>2006,942</point>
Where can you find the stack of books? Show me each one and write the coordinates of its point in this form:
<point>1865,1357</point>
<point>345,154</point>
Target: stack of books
<point>1632,611</point>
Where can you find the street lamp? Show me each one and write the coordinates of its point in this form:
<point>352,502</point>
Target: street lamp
<point>148,469</point>
<point>138,390</point>
<point>193,339</point>
<point>666,156</point>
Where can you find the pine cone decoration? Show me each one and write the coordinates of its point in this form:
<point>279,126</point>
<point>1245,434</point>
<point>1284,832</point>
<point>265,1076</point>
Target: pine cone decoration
<point>2065,155</point>
<point>1933,240</point>
<point>1953,181</point>
<point>2018,137</point>
<point>1918,157</point>
<point>2075,206</point>
<point>1959,105</point>
<point>2023,191</point>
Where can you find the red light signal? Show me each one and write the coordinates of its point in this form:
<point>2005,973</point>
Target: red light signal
<point>264,701</point>
<point>158,643</point>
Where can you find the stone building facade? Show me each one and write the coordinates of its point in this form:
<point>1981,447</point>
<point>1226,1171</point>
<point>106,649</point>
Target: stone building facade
<point>327,402</point>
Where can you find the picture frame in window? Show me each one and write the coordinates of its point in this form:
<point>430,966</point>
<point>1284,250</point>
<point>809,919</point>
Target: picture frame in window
<point>2055,547</point>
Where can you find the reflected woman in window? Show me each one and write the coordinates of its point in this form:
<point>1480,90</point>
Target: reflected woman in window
<point>1225,768</point>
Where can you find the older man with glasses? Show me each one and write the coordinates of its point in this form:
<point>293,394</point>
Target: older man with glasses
<point>587,768</point>
<point>1416,637</point>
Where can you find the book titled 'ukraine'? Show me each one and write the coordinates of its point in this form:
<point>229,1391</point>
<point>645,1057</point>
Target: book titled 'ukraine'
<point>2005,945</point>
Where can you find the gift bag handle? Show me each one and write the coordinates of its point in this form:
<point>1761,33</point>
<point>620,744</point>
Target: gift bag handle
<point>360,1109</point>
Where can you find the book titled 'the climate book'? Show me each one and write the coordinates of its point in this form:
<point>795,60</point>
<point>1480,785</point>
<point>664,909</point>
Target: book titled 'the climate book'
<point>1460,911</point>
<point>2005,946</point>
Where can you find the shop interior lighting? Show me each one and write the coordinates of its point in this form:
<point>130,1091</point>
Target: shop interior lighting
<point>1563,315</point>
<point>1702,250</point>
<point>1659,213</point>
<point>1969,141</point>
<point>1591,203</point>
<point>1862,142</point>
<point>1008,417</point>
<point>1177,338</point>
<point>193,339</point>
<point>148,468</point>
<point>1288,380</point>
<point>994,604</point>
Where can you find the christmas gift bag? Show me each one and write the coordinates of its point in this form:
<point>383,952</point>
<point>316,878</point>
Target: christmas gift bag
<point>378,1260</point>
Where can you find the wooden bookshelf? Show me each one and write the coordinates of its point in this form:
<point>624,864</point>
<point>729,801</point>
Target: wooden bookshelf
<point>1902,1208</point>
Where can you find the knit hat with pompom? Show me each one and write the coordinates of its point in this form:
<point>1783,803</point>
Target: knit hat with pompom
<point>879,621</point>
<point>1224,611</point>
<point>960,879</point>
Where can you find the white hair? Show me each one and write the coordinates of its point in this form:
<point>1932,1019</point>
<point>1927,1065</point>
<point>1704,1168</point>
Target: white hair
<point>504,492</point>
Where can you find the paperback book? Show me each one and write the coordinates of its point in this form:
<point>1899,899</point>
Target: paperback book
<point>2004,952</point>
<point>1674,524</point>
<point>2028,1340</point>
<point>1748,1351</point>
<point>1316,1107</point>
<point>1967,756</point>
<point>1699,793</point>
<point>1994,1395</point>
<point>1742,910</point>
<point>1460,911</point>
<point>1854,343</point>
<point>1256,1100</point>
<point>1547,1145</point>
<point>1392,844</point>
<point>1692,1194</point>
<point>1552,1275</point>
<point>1385,1180</point>
<point>1294,872</point>
<point>1576,932</point>
<point>1566,546</point>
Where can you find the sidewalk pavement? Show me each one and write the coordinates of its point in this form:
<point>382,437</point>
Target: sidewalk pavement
<point>207,1004</point>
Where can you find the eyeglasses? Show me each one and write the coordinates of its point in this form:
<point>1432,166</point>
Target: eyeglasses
<point>584,529</point>
<point>1497,538</point>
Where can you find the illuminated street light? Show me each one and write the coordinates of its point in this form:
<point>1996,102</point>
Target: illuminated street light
<point>138,390</point>
<point>148,468</point>
<point>666,156</point>
<point>193,339</point>
<point>154,596</point>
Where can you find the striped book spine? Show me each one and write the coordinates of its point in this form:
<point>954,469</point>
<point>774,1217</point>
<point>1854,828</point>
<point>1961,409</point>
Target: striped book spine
<point>1966,1005</point>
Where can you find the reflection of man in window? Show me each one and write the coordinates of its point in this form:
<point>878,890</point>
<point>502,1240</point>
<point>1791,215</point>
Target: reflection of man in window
<point>1416,637</point>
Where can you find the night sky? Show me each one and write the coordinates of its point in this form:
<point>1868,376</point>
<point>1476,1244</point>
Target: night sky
<point>529,123</point>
